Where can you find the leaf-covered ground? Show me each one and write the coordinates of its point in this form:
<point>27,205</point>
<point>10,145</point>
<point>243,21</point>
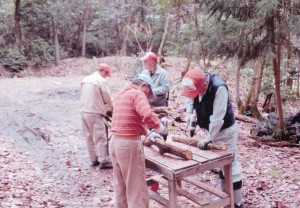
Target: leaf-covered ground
<point>44,161</point>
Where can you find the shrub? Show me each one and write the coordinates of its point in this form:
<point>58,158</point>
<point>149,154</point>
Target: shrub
<point>40,52</point>
<point>12,59</point>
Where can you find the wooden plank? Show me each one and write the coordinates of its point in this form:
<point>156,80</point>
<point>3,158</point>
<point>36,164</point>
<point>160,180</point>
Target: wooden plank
<point>206,187</point>
<point>171,162</point>
<point>225,160</point>
<point>185,193</point>
<point>206,154</point>
<point>158,198</point>
<point>153,165</point>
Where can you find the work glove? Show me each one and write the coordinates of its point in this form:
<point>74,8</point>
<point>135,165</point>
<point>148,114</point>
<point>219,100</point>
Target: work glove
<point>152,136</point>
<point>202,143</point>
<point>164,121</point>
<point>163,126</point>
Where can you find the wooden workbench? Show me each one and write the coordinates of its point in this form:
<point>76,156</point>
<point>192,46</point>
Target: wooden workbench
<point>174,170</point>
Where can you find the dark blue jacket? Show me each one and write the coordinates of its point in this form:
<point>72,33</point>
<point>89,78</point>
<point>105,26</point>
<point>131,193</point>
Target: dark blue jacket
<point>204,109</point>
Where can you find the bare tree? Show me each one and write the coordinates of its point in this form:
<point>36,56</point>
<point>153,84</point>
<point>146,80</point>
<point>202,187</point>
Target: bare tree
<point>163,40</point>
<point>18,33</point>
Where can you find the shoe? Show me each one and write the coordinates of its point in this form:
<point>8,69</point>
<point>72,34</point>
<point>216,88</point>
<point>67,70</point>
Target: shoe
<point>94,164</point>
<point>106,165</point>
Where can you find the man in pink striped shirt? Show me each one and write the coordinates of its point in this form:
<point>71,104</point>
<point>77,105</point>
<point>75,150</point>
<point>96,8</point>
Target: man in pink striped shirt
<point>131,114</point>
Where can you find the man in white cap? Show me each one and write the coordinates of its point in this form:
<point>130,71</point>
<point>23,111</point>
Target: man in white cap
<point>96,102</point>
<point>207,93</point>
<point>159,77</point>
<point>131,114</point>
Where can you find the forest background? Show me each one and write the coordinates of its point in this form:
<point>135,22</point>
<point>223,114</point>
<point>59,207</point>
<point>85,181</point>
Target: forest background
<point>261,38</point>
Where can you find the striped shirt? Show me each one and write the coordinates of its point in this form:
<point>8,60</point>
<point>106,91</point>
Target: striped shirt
<point>132,112</point>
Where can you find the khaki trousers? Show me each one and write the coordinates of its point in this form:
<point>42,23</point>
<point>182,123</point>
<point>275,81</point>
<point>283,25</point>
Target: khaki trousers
<point>128,161</point>
<point>95,137</point>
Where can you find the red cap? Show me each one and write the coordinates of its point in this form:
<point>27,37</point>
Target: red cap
<point>104,67</point>
<point>197,78</point>
<point>150,56</point>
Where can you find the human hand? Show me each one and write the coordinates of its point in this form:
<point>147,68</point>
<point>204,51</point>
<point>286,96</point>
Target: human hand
<point>202,144</point>
<point>152,136</point>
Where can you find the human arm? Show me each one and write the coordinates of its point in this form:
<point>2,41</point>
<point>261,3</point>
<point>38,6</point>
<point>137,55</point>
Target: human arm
<point>217,118</point>
<point>163,86</point>
<point>142,107</point>
<point>106,95</point>
<point>189,106</point>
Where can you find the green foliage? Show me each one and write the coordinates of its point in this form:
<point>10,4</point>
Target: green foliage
<point>268,81</point>
<point>40,52</point>
<point>166,4</point>
<point>266,8</point>
<point>12,59</point>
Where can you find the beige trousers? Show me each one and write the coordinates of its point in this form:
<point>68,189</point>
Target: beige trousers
<point>128,161</point>
<point>95,137</point>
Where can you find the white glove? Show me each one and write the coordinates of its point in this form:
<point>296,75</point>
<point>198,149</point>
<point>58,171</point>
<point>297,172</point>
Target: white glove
<point>164,121</point>
<point>202,144</point>
<point>152,136</point>
<point>188,117</point>
<point>161,129</point>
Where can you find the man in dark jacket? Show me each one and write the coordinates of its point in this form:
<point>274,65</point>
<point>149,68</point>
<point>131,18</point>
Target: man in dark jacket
<point>207,93</point>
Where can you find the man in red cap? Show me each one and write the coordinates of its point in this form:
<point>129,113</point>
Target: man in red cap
<point>95,103</point>
<point>207,93</point>
<point>159,77</point>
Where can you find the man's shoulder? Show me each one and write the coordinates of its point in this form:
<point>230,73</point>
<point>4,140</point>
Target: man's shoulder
<point>162,71</point>
<point>146,71</point>
<point>94,78</point>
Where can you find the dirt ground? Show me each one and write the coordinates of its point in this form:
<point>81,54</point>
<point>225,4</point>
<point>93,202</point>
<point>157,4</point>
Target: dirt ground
<point>44,161</point>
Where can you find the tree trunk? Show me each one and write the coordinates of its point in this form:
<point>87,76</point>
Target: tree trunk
<point>267,107</point>
<point>56,44</point>
<point>127,28</point>
<point>85,17</point>
<point>276,69</point>
<point>259,68</point>
<point>160,49</point>
<point>237,99</point>
<point>17,25</point>
<point>78,38</point>
<point>298,82</point>
<point>250,93</point>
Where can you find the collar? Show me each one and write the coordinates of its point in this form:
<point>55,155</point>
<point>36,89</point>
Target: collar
<point>157,71</point>
<point>98,73</point>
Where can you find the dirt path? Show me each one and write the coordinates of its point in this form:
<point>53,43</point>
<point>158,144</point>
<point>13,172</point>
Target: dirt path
<point>44,161</point>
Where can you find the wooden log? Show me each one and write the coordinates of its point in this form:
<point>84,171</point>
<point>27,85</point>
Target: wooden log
<point>281,144</point>
<point>168,148</point>
<point>159,110</point>
<point>193,142</point>
<point>245,119</point>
